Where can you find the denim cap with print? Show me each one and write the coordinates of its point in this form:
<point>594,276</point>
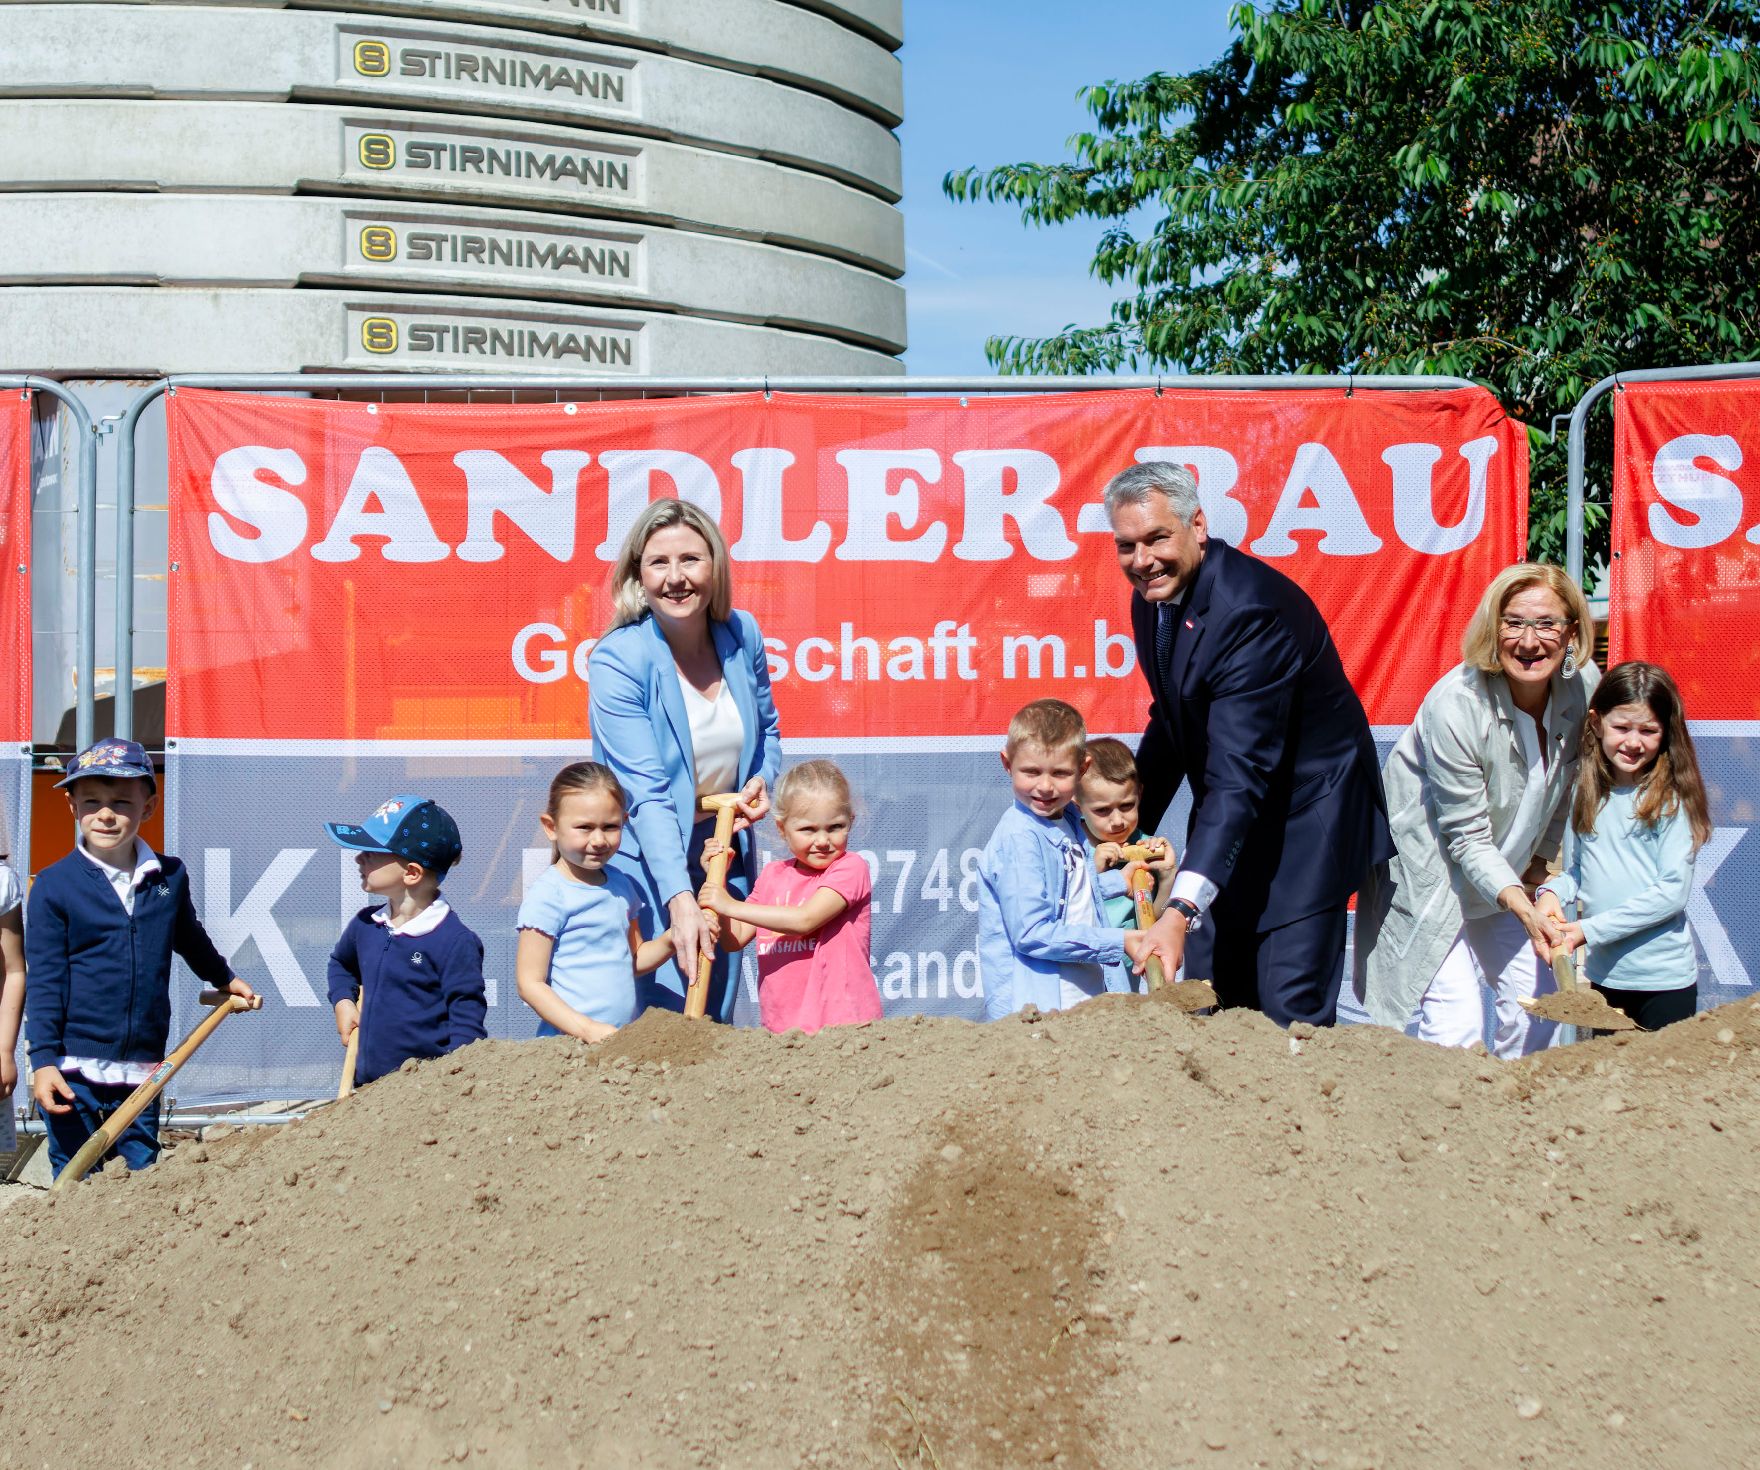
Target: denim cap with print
<point>120,760</point>
<point>409,827</point>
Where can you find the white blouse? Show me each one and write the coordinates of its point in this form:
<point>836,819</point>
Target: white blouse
<point>718,734</point>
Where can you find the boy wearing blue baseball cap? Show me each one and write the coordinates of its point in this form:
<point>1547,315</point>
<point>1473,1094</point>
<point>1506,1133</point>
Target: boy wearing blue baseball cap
<point>416,969</point>
<point>100,930</point>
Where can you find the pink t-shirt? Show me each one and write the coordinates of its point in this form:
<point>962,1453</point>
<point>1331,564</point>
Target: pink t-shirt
<point>806,981</point>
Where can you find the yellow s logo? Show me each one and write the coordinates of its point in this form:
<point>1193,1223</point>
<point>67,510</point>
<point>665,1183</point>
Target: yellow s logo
<point>379,334</point>
<point>372,58</point>
<point>379,242</point>
<point>377,150</point>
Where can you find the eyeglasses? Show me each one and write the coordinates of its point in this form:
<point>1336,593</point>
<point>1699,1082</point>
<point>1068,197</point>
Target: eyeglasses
<point>1547,630</point>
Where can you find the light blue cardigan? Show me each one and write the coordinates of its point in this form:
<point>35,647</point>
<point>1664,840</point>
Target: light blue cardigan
<point>641,731</point>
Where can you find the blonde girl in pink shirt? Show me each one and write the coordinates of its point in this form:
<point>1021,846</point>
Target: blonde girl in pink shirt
<point>809,911</point>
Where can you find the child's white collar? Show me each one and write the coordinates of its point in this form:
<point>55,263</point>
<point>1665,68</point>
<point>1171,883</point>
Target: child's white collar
<point>425,922</point>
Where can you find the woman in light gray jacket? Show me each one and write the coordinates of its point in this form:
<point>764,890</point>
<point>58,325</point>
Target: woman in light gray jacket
<point>1477,792</point>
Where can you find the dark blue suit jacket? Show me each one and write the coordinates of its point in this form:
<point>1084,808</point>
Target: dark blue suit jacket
<point>1255,711</point>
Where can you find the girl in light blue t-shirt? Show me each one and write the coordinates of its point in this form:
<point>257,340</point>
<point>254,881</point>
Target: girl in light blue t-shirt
<point>580,940</point>
<point>1638,818</point>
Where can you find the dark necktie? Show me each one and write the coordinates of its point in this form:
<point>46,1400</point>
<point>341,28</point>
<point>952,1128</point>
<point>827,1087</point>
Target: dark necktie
<point>1164,615</point>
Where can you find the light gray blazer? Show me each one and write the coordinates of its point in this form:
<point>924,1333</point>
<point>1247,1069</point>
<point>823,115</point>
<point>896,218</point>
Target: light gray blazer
<point>1454,785</point>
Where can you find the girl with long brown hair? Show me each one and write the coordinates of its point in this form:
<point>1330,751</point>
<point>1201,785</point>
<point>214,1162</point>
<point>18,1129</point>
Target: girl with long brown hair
<point>1638,818</point>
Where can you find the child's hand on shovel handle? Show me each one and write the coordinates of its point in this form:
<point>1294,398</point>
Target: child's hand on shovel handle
<point>348,1019</point>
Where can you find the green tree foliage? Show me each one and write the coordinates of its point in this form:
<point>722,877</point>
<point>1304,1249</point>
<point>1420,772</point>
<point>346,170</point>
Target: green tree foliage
<point>1531,193</point>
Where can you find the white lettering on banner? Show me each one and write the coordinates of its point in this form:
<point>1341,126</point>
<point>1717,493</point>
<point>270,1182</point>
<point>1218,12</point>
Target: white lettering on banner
<point>761,537</point>
<point>1105,645</point>
<point>937,887</point>
<point>1720,954</point>
<point>277,516</point>
<point>1028,505</point>
<point>1034,648</point>
<point>926,976</point>
<point>1316,497</point>
<point>630,488</point>
<point>254,918</point>
<point>872,505</point>
<point>1216,472</point>
<point>494,487</point>
<point>1414,498</point>
<point>551,663</point>
<point>818,659</point>
<point>1714,502</point>
<point>1334,510</point>
<point>402,520</point>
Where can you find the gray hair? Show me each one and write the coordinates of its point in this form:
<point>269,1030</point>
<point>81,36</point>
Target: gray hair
<point>1157,477</point>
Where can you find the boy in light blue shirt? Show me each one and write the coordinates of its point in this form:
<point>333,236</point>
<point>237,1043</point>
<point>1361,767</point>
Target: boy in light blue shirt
<point>1042,939</point>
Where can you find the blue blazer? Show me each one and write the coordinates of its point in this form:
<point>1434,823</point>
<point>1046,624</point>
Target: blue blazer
<point>1255,711</point>
<point>641,731</point>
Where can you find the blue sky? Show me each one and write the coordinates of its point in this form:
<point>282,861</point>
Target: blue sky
<point>994,81</point>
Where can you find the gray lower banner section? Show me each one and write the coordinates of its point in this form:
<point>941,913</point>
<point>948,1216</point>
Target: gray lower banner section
<point>15,849</point>
<point>274,892</point>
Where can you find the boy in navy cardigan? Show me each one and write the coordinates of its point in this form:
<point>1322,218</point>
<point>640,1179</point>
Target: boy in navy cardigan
<point>417,969</point>
<point>100,930</point>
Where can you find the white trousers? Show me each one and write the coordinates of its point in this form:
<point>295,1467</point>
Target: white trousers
<point>1494,952</point>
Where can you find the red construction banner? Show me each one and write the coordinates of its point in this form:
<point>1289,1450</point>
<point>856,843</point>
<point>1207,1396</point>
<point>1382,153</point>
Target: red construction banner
<point>1685,584</point>
<point>919,566</point>
<point>15,562</point>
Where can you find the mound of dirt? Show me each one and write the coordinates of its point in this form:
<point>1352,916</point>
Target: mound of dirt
<point>1118,1237</point>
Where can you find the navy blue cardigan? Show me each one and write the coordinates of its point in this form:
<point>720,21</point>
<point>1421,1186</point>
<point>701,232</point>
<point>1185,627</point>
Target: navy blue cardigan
<point>424,991</point>
<point>98,979</point>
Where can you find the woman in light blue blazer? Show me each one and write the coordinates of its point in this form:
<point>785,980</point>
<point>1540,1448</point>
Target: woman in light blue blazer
<point>679,697</point>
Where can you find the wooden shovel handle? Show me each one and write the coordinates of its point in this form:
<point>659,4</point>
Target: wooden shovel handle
<point>100,1142</point>
<point>1142,889</point>
<point>1564,968</point>
<point>351,1054</point>
<point>725,809</point>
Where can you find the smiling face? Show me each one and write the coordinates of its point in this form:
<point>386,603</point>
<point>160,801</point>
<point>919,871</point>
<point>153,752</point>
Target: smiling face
<point>1530,656</point>
<point>678,574</point>
<point>1158,552</point>
<point>816,828</point>
<point>587,828</point>
<point>1109,808</point>
<point>109,812</point>
<point>1631,739</point>
<point>1044,780</point>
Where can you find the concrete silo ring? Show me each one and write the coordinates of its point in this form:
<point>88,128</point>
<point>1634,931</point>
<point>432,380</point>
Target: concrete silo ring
<point>97,144</point>
<point>217,53</point>
<point>126,331</point>
<point>256,240</point>
<point>768,38</point>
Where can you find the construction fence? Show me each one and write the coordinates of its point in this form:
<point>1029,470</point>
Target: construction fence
<point>370,595</point>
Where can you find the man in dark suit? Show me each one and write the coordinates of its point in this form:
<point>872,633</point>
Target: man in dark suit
<point>1251,706</point>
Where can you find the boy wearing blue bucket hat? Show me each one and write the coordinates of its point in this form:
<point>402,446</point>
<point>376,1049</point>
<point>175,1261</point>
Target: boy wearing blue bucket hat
<point>416,969</point>
<point>100,930</point>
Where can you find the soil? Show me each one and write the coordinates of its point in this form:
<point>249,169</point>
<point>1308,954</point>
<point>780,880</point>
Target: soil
<point>1118,1237</point>
<point>1580,1008</point>
<point>1190,996</point>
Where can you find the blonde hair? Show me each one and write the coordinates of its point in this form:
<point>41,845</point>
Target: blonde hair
<point>1049,724</point>
<point>813,778</point>
<point>1479,643</point>
<point>628,602</point>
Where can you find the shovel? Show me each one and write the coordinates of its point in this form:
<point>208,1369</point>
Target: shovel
<point>1187,995</point>
<point>1575,1005</point>
<point>99,1144</point>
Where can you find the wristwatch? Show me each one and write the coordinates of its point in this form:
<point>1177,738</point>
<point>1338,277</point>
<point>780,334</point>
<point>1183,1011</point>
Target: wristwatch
<point>1194,919</point>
